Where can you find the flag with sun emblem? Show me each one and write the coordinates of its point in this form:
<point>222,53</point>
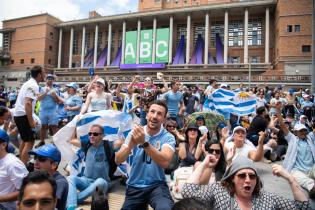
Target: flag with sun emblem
<point>227,101</point>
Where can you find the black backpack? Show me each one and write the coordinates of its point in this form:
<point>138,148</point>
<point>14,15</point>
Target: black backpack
<point>110,158</point>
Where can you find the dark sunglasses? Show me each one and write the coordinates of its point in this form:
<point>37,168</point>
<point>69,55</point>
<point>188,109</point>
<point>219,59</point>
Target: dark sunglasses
<point>40,158</point>
<point>214,151</point>
<point>244,175</point>
<point>94,134</point>
<point>170,126</point>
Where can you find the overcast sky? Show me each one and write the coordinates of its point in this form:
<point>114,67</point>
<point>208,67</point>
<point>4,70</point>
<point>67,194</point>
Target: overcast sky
<point>64,9</point>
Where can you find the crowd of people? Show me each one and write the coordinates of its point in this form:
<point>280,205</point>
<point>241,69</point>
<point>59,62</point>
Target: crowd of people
<point>219,164</point>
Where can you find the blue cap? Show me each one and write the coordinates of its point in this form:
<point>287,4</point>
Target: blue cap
<point>73,85</point>
<point>4,137</point>
<point>47,150</point>
<point>221,125</point>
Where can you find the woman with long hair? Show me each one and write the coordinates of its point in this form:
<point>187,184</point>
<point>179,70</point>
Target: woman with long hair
<point>190,150</point>
<point>211,175</point>
<point>99,99</point>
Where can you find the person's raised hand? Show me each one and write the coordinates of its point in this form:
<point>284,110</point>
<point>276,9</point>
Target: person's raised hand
<point>262,136</point>
<point>138,135</point>
<point>278,170</point>
<point>225,132</point>
<point>210,161</point>
<point>231,153</point>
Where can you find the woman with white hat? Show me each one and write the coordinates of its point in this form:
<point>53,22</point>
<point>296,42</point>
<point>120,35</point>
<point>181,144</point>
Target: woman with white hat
<point>98,99</point>
<point>241,188</point>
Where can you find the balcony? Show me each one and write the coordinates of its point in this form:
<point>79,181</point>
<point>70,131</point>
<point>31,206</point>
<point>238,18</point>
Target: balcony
<point>5,55</point>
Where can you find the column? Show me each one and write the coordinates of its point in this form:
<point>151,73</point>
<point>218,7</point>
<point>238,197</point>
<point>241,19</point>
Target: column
<point>188,40</point>
<point>153,40</point>
<point>59,49</point>
<point>83,47</point>
<point>71,48</point>
<point>205,58</point>
<point>170,46</point>
<point>267,36</point>
<point>123,40</point>
<point>226,36</point>
<point>246,36</point>
<point>109,43</point>
<point>95,45</point>
<point>138,41</point>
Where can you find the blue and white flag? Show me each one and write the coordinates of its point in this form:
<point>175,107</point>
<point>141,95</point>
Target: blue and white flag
<point>226,101</point>
<point>116,126</point>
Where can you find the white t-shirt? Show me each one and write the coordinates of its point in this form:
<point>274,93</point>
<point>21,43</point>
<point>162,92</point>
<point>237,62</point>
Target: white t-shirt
<point>247,147</point>
<point>12,172</point>
<point>29,89</point>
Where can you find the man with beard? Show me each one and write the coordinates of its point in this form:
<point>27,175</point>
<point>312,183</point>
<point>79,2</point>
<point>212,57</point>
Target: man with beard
<point>152,147</point>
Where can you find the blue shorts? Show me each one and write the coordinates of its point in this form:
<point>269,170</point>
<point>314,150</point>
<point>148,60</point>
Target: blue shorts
<point>48,117</point>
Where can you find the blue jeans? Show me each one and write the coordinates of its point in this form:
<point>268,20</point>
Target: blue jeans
<point>158,197</point>
<point>86,187</point>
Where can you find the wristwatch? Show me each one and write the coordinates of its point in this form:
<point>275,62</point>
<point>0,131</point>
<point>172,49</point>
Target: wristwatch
<point>145,145</point>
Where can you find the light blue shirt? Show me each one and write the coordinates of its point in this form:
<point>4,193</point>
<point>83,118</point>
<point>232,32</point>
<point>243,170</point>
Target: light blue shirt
<point>304,159</point>
<point>73,101</point>
<point>144,171</point>
<point>48,102</point>
<point>173,100</point>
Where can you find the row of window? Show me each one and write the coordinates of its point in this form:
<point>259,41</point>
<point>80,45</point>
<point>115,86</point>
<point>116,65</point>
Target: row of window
<point>32,61</point>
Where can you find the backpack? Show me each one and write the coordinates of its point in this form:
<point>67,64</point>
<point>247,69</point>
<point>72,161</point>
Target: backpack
<point>110,158</point>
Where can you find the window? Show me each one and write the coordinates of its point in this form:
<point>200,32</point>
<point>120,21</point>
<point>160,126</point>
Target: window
<point>50,47</point>
<point>21,61</point>
<point>255,59</point>
<point>236,33</point>
<point>216,28</point>
<point>12,61</point>
<point>199,30</point>
<point>181,30</point>
<point>289,28</point>
<point>6,41</point>
<point>51,34</point>
<point>306,48</point>
<point>32,60</point>
<point>297,28</point>
<point>49,61</point>
<point>255,31</point>
<point>75,47</point>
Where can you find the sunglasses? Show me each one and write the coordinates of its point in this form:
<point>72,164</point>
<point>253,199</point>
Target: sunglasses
<point>214,151</point>
<point>94,134</point>
<point>170,126</point>
<point>40,158</point>
<point>244,175</point>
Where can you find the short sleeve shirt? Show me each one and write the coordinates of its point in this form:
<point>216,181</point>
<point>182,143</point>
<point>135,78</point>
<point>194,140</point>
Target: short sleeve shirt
<point>29,89</point>
<point>73,101</point>
<point>173,100</point>
<point>12,172</point>
<point>144,171</point>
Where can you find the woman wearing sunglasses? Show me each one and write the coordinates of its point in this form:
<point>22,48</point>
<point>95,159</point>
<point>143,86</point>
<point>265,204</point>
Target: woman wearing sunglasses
<point>211,175</point>
<point>241,188</point>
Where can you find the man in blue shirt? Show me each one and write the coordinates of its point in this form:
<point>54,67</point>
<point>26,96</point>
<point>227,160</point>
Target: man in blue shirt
<point>300,157</point>
<point>152,148</point>
<point>96,172</point>
<point>48,108</point>
<point>175,102</point>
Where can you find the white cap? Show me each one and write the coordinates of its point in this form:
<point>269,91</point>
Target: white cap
<point>238,128</point>
<point>223,85</point>
<point>101,80</point>
<point>299,127</point>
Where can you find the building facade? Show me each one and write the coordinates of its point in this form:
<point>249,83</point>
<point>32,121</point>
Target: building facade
<point>257,41</point>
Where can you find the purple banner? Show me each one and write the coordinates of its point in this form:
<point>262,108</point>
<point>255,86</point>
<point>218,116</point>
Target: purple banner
<point>143,66</point>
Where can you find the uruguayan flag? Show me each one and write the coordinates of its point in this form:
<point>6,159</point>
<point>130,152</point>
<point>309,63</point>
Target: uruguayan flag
<point>226,101</point>
<point>116,126</point>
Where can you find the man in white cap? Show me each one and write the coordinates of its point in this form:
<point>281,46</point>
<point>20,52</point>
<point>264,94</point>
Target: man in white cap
<point>300,157</point>
<point>237,144</point>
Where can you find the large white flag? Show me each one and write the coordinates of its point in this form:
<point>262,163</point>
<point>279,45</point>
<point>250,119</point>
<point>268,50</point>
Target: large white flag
<point>116,125</point>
